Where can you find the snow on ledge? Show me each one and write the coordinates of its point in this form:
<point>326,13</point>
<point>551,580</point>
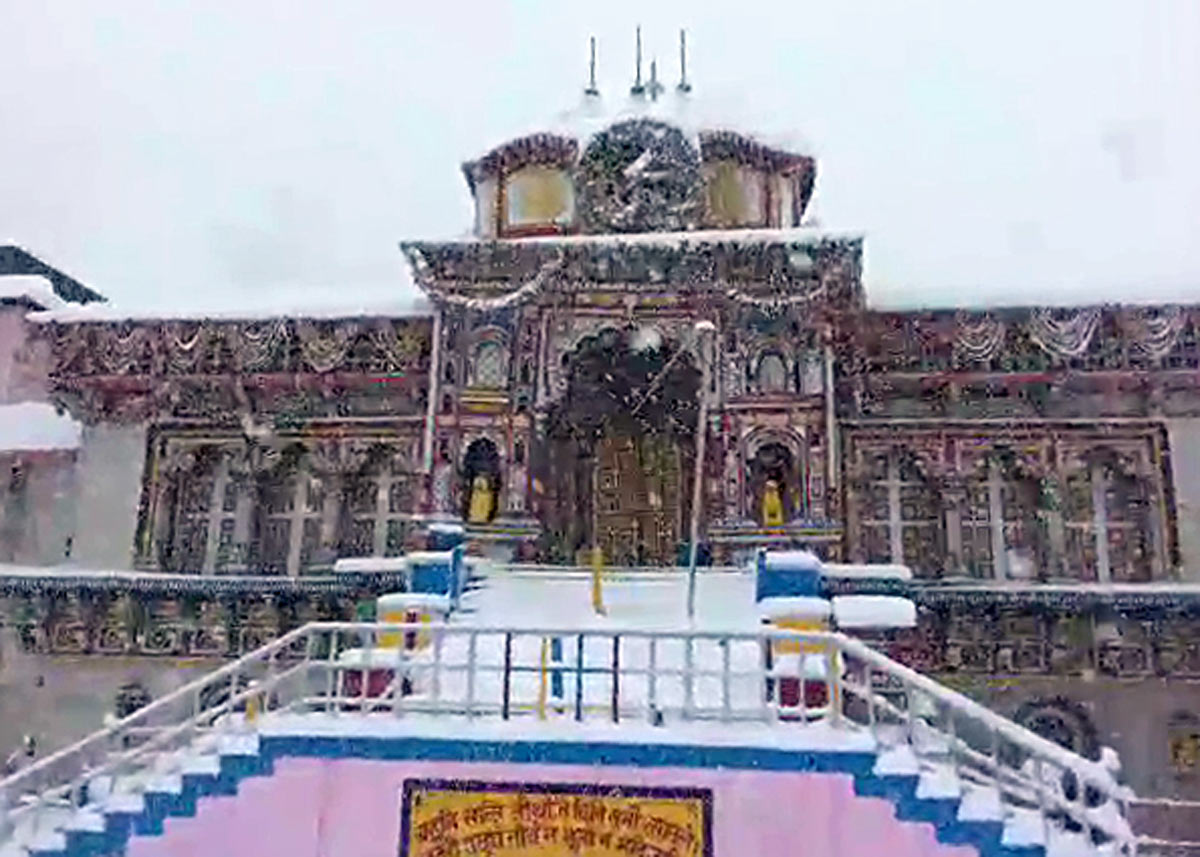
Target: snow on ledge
<point>33,288</point>
<point>792,561</point>
<point>873,611</point>
<point>813,736</point>
<point>413,601</point>
<point>369,564</point>
<point>337,304</point>
<point>37,426</point>
<point>847,571</point>
<point>794,607</point>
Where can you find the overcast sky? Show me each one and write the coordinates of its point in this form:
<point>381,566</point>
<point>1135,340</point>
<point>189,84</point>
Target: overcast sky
<point>246,152</point>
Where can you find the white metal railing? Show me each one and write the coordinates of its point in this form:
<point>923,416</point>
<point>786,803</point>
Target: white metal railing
<point>787,678</point>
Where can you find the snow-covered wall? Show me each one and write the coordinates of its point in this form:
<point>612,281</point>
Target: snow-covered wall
<point>353,806</point>
<point>109,479</point>
<point>1184,437</point>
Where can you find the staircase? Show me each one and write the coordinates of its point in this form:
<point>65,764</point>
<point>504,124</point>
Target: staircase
<point>639,697</point>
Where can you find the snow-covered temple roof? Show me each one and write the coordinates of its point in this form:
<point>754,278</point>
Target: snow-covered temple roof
<point>33,290</point>
<point>398,300</point>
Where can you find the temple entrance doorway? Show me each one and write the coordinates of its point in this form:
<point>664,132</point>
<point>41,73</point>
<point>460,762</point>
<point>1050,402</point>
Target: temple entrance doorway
<point>619,451</point>
<point>776,484</point>
<point>481,482</point>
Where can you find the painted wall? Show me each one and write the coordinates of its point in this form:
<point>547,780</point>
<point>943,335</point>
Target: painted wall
<point>1183,435</point>
<point>109,477</point>
<point>61,699</point>
<point>312,807</point>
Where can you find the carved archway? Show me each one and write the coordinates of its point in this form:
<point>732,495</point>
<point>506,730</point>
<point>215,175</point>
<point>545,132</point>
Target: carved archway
<point>481,481</point>
<point>619,442</point>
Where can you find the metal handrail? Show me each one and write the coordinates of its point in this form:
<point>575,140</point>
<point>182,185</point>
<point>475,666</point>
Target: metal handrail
<point>64,774</point>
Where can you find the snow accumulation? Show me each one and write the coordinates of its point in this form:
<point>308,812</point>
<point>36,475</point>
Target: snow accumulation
<point>448,528</point>
<point>873,611</point>
<point>793,561</point>
<point>813,736</point>
<point>689,112</point>
<point>429,557</point>
<point>847,571</point>
<point>797,235</point>
<point>395,300</point>
<point>29,426</point>
<point>413,601</point>
<point>33,288</point>
<point>794,607</point>
<point>369,564</point>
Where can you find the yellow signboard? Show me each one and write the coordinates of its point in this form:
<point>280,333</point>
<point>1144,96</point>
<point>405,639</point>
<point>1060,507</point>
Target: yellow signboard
<point>453,818</point>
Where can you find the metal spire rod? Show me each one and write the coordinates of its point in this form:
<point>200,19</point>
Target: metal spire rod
<point>592,90</point>
<point>655,87</point>
<point>684,86</point>
<point>637,88</point>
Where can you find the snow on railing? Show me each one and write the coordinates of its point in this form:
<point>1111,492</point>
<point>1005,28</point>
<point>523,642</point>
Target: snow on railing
<point>788,678</point>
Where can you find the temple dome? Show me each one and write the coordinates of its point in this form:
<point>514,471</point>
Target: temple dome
<point>636,164</point>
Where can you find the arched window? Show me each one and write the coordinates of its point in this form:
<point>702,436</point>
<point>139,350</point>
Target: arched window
<point>901,514</point>
<point>1109,520</point>
<point>1000,532</point>
<point>772,374</point>
<point>379,505</point>
<point>490,365</point>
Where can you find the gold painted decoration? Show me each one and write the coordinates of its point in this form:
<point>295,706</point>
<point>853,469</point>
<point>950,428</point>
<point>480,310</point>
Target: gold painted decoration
<point>441,818</point>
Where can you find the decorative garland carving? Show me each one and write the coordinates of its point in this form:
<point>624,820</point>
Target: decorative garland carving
<point>978,340</point>
<point>324,353</point>
<point>1065,338</point>
<point>1153,333</point>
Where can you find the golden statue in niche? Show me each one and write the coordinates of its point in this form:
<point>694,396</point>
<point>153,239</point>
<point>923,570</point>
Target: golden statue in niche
<point>772,505</point>
<point>482,501</point>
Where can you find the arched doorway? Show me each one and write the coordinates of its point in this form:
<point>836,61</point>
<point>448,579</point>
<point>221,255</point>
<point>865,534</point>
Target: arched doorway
<point>481,482</point>
<point>776,485</point>
<point>619,450</point>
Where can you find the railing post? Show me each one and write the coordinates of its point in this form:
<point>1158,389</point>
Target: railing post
<point>333,688</point>
<point>472,640</point>
<point>616,678</point>
<point>1041,796</point>
<point>835,684</point>
<point>652,676</point>
<point>869,680</point>
<point>688,676</point>
<point>726,702</point>
<point>507,677</point>
<point>579,678</point>
<point>399,677</point>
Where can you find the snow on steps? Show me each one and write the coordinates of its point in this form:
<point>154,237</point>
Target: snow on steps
<point>121,806</point>
<point>921,788</point>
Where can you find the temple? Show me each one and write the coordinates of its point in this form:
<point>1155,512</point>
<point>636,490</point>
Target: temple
<point>638,280</point>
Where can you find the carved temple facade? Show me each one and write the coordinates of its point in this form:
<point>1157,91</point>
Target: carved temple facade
<point>550,396</point>
<point>626,290</point>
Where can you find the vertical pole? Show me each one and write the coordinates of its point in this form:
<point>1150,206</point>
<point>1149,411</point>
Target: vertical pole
<point>698,480</point>
<point>508,674</point>
<point>541,703</point>
<point>579,678</point>
<point>435,376</point>
<point>652,676</point>
<point>616,678</point>
<point>726,702</point>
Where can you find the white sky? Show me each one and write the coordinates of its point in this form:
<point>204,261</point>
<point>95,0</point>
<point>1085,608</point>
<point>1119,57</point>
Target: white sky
<point>1023,151</point>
